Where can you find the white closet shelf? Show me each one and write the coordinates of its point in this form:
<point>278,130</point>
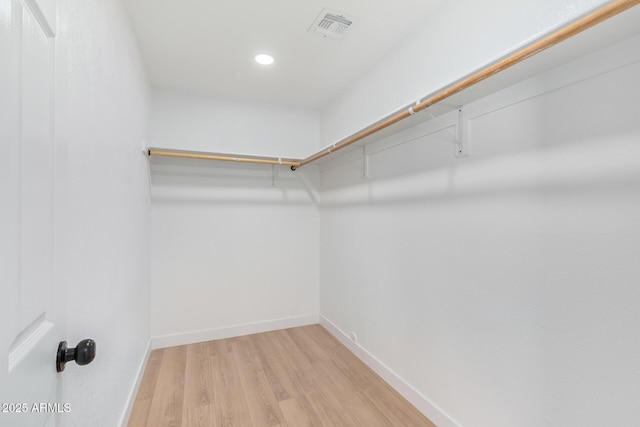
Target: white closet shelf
<point>473,86</point>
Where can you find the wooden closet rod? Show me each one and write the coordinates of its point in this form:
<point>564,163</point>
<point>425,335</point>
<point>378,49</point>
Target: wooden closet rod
<point>227,158</point>
<point>588,21</point>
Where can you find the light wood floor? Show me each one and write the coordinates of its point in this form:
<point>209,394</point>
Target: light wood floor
<point>293,377</point>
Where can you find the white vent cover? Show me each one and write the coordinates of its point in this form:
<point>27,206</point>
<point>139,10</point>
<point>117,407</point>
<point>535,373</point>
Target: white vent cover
<point>332,25</point>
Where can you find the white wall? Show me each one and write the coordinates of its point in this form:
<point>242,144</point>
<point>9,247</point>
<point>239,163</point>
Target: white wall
<point>503,287</point>
<point>103,207</point>
<point>231,254</point>
<point>201,122</point>
<point>458,39</point>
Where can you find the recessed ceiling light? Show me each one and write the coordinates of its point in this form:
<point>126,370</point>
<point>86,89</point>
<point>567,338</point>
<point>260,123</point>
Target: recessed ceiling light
<point>264,59</point>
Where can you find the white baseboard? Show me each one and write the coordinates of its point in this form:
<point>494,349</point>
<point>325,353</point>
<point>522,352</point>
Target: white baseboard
<point>231,331</point>
<point>424,405</point>
<point>134,390</point>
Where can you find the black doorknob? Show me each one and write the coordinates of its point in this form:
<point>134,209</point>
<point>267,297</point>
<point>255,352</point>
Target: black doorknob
<point>83,353</point>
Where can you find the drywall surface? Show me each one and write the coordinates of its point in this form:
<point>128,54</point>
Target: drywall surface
<point>229,249</point>
<point>456,40</point>
<point>232,244</point>
<point>502,287</point>
<point>211,123</point>
<point>103,206</point>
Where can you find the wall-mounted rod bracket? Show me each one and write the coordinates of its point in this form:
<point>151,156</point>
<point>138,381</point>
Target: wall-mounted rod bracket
<point>274,176</point>
<point>411,110</point>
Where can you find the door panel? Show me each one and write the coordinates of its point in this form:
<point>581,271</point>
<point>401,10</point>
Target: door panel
<point>29,329</point>
<point>37,172</point>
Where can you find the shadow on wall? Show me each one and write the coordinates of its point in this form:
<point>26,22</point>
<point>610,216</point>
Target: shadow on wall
<point>212,182</point>
<point>593,166</point>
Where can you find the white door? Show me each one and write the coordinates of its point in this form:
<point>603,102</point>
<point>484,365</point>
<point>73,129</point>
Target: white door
<point>29,304</point>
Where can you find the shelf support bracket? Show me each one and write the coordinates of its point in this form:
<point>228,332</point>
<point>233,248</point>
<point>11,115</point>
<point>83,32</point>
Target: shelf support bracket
<point>461,148</point>
<point>365,163</point>
<point>462,143</point>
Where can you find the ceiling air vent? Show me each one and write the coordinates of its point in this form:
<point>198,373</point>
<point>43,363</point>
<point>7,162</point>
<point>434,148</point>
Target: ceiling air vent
<point>332,25</point>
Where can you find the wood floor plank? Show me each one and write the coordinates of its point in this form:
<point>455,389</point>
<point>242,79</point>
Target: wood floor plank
<point>339,384</point>
<point>262,403</point>
<point>198,384</point>
<point>307,345</point>
<point>353,368</point>
<point>229,397</point>
<point>295,357</point>
<point>278,367</point>
<point>299,413</point>
<point>289,378</point>
<point>365,414</point>
<point>218,347</point>
<point>140,412</point>
<point>321,336</point>
<point>200,416</point>
<point>271,365</point>
<point>166,406</point>
<point>328,411</point>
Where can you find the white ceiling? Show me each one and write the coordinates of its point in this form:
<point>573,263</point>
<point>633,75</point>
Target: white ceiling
<point>209,45</point>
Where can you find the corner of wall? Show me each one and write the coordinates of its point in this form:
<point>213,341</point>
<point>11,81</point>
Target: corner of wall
<point>136,386</point>
<point>185,338</point>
